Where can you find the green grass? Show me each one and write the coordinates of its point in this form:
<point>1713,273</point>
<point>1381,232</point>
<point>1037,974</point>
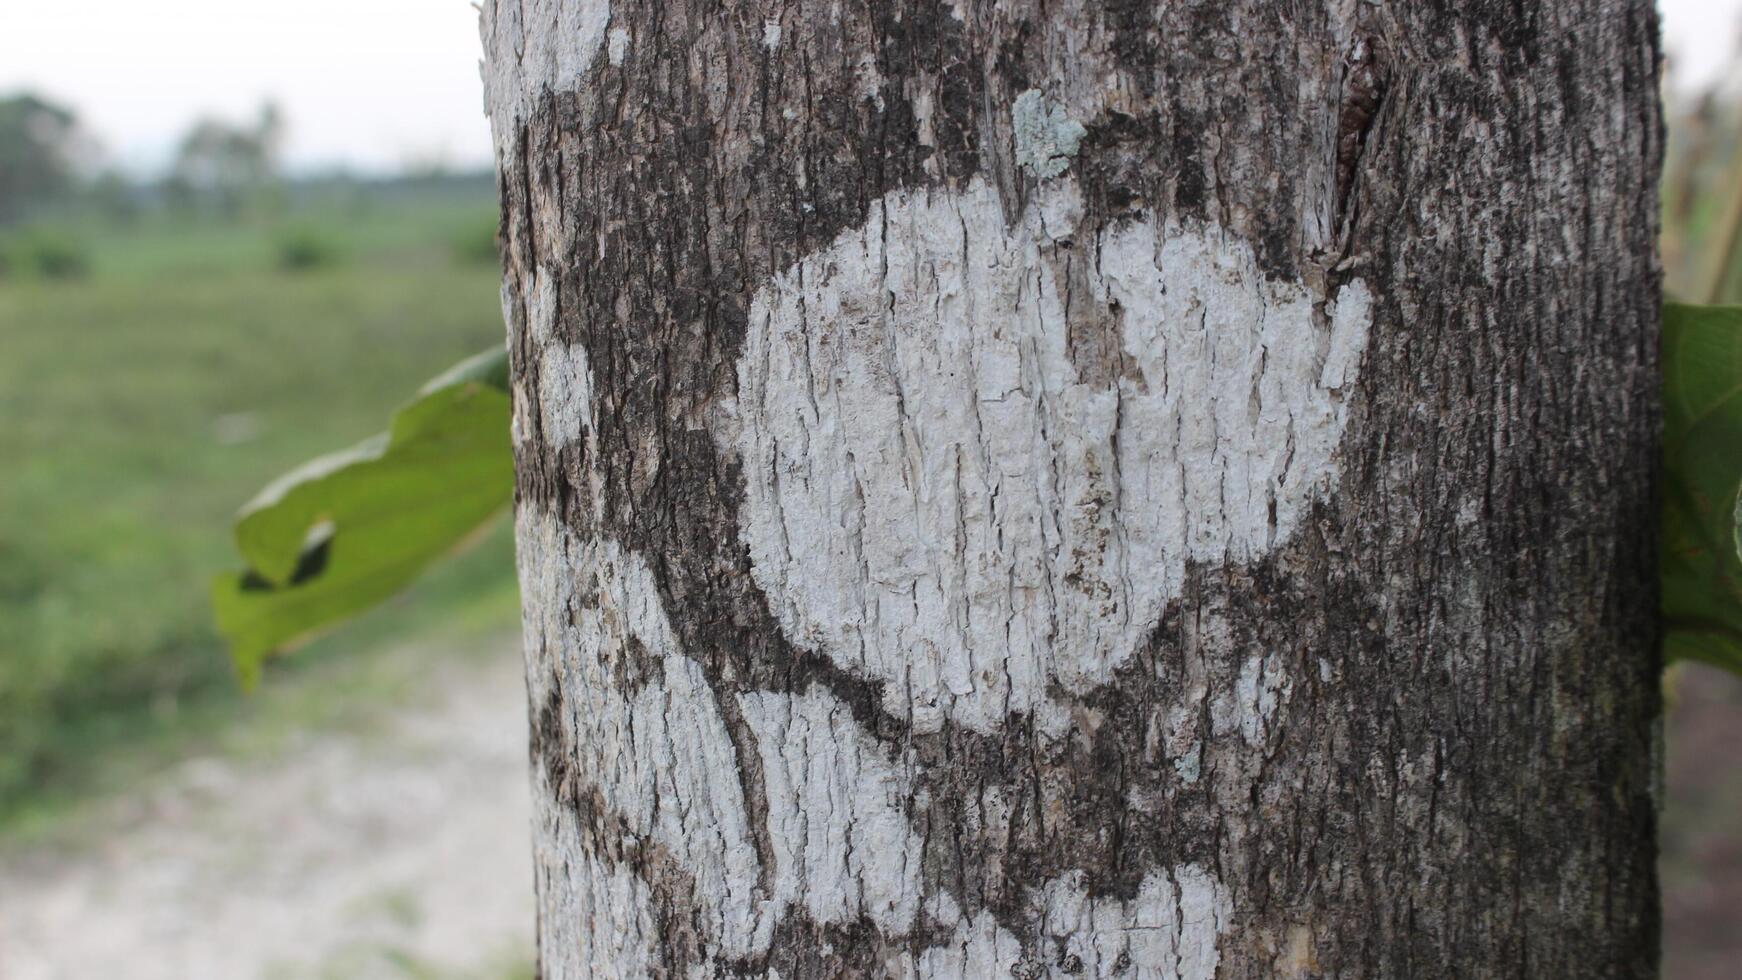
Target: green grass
<point>140,406</point>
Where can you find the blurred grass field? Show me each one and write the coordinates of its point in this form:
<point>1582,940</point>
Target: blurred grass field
<point>143,402</point>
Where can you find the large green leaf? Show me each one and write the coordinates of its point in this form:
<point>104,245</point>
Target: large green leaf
<point>1700,562</point>
<point>346,531</point>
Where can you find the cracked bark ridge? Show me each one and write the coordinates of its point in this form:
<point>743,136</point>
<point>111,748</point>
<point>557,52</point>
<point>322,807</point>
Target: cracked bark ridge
<point>1412,737</point>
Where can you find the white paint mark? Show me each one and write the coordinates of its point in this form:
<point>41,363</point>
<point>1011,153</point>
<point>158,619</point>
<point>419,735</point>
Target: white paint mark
<point>565,381</point>
<point>771,34</point>
<point>565,394</point>
<point>1348,336</point>
<point>842,843</point>
<point>659,757</point>
<point>505,296</point>
<point>1169,929</point>
<point>531,46</point>
<point>1204,913</point>
<point>540,296</point>
<point>606,927</point>
<point>977,948</point>
<point>649,738</point>
<point>1046,138</point>
<point>616,45</point>
<point>521,414</point>
<point>938,498</point>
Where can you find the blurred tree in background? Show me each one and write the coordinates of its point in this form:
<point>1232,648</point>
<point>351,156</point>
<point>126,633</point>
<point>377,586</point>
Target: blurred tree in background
<point>229,169</point>
<point>40,147</point>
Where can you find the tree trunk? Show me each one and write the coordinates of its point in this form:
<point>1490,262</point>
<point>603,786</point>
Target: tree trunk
<point>1085,489</point>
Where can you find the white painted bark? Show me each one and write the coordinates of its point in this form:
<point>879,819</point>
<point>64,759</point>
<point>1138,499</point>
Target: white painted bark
<point>939,499</point>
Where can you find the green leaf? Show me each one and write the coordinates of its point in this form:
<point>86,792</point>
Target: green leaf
<point>344,532</point>
<point>1701,558</point>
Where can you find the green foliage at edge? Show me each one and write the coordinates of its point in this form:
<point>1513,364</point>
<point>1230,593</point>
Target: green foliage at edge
<point>347,531</point>
<point>1700,562</point>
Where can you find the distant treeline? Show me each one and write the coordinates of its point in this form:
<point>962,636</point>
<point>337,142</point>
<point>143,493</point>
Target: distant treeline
<point>51,166</point>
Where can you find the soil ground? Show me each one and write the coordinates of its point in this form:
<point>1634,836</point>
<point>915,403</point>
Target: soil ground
<point>397,852</point>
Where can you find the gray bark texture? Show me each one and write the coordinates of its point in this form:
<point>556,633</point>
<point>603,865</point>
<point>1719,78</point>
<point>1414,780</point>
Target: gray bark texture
<point>1047,488</point>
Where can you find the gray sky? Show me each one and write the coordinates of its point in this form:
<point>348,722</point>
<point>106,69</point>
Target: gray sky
<point>371,84</point>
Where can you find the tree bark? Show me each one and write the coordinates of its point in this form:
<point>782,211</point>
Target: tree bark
<point>1085,489</point>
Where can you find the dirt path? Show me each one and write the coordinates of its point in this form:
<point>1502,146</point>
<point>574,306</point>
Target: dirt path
<point>400,853</point>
